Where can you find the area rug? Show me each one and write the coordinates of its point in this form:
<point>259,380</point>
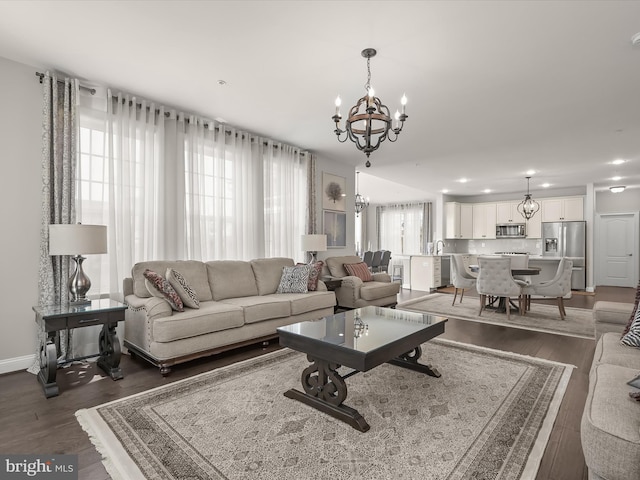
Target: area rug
<point>542,318</point>
<point>488,416</point>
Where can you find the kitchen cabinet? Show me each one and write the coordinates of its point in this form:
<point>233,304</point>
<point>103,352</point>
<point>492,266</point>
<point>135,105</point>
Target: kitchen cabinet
<point>458,220</point>
<point>562,209</point>
<point>484,220</point>
<point>534,226</point>
<point>426,272</point>
<point>507,212</point>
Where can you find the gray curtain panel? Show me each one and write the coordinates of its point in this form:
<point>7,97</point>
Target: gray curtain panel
<point>312,220</point>
<point>59,145</point>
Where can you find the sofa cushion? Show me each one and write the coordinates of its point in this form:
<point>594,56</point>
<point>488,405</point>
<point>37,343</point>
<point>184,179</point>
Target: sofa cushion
<point>336,265</point>
<point>612,312</point>
<point>308,302</point>
<point>610,429</point>
<point>210,317</point>
<point>193,271</point>
<point>158,286</point>
<point>267,272</point>
<point>360,270</point>
<point>294,279</point>
<point>610,350</point>
<point>231,279</point>
<point>186,293</point>
<point>260,308</point>
<point>376,290</point>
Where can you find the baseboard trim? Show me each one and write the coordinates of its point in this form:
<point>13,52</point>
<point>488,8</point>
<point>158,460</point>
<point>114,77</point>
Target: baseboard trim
<point>590,289</point>
<point>17,363</point>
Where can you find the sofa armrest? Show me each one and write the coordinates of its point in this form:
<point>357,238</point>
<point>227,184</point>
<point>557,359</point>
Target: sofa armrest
<point>382,277</point>
<point>322,287</point>
<point>153,307</point>
<point>351,282</point>
<point>127,286</point>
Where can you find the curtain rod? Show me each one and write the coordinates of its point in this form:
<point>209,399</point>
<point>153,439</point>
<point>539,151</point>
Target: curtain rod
<point>186,119</point>
<point>92,91</point>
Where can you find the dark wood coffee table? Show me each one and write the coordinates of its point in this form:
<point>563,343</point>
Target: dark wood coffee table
<point>359,339</point>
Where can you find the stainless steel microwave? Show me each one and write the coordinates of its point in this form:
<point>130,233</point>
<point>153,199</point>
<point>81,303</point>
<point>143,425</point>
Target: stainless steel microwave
<point>511,230</point>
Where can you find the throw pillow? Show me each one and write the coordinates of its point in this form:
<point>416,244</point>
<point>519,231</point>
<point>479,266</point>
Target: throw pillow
<point>632,337</point>
<point>294,279</point>
<point>314,274</point>
<point>633,314</point>
<point>161,288</point>
<point>359,270</point>
<point>186,293</point>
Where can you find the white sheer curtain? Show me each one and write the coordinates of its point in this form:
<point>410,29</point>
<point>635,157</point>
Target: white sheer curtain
<point>402,227</point>
<point>285,215</point>
<point>121,184</point>
<point>223,192</point>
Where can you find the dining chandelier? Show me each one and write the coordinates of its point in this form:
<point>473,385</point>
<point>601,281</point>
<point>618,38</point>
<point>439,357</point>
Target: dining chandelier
<point>528,207</point>
<point>369,122</point>
<point>361,202</point>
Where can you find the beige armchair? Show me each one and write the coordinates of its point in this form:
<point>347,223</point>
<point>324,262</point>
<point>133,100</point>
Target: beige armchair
<point>356,293</point>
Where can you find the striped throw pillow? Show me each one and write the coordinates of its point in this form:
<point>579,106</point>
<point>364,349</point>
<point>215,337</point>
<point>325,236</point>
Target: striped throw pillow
<point>294,279</point>
<point>633,314</point>
<point>632,337</point>
<point>186,293</point>
<point>359,270</point>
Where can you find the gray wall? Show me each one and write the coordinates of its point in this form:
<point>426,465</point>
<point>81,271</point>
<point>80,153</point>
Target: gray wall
<point>625,202</point>
<point>20,140</point>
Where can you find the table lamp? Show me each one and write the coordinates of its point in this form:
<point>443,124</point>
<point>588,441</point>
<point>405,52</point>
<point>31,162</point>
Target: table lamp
<point>76,240</point>
<point>314,244</point>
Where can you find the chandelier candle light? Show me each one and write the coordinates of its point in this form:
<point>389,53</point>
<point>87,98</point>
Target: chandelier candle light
<point>373,115</point>
<point>361,202</point>
<point>528,207</point>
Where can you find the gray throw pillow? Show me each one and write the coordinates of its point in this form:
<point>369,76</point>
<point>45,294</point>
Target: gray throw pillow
<point>186,293</point>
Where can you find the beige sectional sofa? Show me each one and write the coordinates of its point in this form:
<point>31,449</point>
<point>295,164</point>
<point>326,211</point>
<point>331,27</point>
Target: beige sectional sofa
<point>354,293</point>
<point>610,429</point>
<point>238,306</point>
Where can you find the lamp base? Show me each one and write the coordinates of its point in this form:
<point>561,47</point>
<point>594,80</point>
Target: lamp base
<point>79,284</point>
<point>80,302</point>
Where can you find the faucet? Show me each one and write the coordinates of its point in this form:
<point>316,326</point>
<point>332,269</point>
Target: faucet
<point>439,250</point>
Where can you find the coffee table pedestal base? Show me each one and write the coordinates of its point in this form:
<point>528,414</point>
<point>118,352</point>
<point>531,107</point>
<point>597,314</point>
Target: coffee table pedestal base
<point>326,389</point>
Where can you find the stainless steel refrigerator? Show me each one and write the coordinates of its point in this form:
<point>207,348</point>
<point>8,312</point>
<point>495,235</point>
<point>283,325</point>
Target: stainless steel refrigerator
<point>567,239</point>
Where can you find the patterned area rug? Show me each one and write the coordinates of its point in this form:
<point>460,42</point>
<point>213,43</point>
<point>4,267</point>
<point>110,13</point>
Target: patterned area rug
<point>542,318</point>
<point>489,416</point>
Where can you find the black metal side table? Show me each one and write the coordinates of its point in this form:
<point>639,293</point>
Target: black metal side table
<point>53,318</point>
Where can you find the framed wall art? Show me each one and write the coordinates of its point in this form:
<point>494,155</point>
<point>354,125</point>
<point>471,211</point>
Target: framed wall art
<point>334,192</point>
<point>335,228</point>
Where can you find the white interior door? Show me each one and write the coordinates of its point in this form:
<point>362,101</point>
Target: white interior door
<point>617,250</point>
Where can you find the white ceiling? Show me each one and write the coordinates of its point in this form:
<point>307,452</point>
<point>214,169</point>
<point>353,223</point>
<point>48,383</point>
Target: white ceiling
<point>495,88</point>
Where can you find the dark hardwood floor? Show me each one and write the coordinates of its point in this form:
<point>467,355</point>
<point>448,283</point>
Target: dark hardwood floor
<point>29,423</point>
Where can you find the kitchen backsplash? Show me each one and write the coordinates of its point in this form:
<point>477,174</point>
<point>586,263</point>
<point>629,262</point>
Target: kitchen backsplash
<point>533,246</point>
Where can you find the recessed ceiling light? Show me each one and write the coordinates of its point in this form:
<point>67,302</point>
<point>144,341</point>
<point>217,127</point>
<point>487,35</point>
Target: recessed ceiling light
<point>530,172</point>
<point>220,120</point>
<point>463,180</point>
<point>615,179</point>
<point>635,40</point>
<point>545,185</point>
<point>222,82</point>
<point>617,189</point>
<point>487,190</point>
<point>445,190</point>
<point>618,161</point>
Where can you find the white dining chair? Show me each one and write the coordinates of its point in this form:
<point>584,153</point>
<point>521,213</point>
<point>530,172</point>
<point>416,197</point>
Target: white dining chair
<point>519,260</point>
<point>494,279</point>
<point>558,286</point>
<point>460,278</point>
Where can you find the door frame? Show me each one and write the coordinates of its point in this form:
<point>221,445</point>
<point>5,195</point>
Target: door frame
<point>598,248</point>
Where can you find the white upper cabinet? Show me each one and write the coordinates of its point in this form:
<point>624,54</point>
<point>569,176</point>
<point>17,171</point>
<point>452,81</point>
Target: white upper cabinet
<point>534,226</point>
<point>507,212</point>
<point>484,220</point>
<point>562,209</point>
<point>458,220</point>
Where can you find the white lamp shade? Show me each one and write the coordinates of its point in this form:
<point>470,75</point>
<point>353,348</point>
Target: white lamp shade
<point>77,239</point>
<point>314,243</point>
